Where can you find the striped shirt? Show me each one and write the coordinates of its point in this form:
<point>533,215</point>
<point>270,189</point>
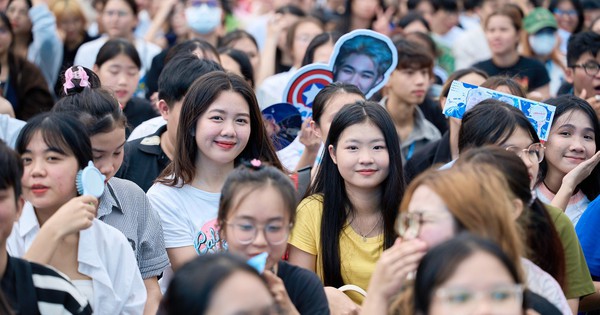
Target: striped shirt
<point>25,283</point>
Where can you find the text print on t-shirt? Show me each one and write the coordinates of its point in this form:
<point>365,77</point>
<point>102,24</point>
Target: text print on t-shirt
<point>207,239</point>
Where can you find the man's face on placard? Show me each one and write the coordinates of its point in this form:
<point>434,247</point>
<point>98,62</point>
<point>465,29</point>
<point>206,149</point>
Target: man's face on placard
<point>359,70</point>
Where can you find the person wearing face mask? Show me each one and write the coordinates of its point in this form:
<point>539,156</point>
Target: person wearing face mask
<point>541,44</point>
<point>205,19</point>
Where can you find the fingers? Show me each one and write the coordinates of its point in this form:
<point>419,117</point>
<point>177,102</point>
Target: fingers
<point>583,94</point>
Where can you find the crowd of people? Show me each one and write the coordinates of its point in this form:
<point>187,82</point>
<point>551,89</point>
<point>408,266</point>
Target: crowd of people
<point>385,205</point>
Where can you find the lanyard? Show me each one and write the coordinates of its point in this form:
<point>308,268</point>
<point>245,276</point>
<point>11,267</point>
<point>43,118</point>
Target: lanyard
<point>411,150</point>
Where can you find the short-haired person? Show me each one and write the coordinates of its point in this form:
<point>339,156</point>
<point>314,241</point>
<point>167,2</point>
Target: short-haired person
<point>583,62</point>
<point>362,61</point>
<point>28,287</point>
<point>147,157</point>
<point>406,89</point>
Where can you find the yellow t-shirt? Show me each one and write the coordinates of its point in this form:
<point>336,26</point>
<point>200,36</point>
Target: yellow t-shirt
<point>357,256</point>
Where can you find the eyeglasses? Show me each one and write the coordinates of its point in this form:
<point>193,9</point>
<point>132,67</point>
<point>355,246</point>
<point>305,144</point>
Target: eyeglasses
<point>409,224</point>
<point>118,13</point>
<point>464,300</point>
<point>565,12</point>
<point>245,232</point>
<point>535,152</point>
<point>591,68</point>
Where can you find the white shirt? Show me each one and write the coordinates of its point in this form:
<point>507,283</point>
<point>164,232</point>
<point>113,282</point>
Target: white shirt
<point>542,283</point>
<point>9,129</point>
<point>147,128</point>
<point>87,53</point>
<point>189,218</point>
<point>103,255</point>
<point>470,48</point>
<point>271,90</point>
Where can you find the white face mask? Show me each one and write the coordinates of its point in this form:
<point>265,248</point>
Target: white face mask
<point>542,44</point>
<point>203,19</point>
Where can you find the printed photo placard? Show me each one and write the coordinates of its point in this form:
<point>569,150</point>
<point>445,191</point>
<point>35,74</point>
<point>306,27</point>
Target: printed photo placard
<point>363,58</point>
<point>464,96</point>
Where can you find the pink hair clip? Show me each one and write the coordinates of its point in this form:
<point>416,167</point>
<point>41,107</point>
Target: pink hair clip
<point>79,77</point>
<point>256,163</point>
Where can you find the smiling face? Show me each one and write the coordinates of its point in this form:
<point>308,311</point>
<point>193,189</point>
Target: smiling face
<point>120,75</point>
<point>222,132</point>
<point>571,141</point>
<point>361,156</point>
<point>108,151</point>
<point>566,16</point>
<point>437,224</point>
<point>501,35</point>
<point>359,70</point>
<point>49,175</point>
<point>264,208</point>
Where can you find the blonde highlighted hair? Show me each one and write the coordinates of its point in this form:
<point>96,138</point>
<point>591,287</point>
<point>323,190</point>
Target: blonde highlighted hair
<point>480,201</point>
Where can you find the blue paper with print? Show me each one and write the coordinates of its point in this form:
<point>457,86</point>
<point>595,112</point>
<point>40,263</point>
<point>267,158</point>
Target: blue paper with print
<point>464,96</point>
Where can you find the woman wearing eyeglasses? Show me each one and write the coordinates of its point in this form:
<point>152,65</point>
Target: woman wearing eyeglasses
<point>438,206</point>
<point>465,275</point>
<point>569,15</point>
<point>256,212</point>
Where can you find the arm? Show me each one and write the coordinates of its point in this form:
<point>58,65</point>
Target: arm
<point>395,264</point>
<point>267,66</point>
<point>573,179</point>
<point>311,143</point>
<point>153,296</point>
<point>181,255</point>
<point>574,305</point>
<point>47,46</point>
<point>301,258</point>
<point>74,216</point>
<point>159,20</point>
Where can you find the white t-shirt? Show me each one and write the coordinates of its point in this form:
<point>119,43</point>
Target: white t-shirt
<point>188,216</point>
<point>542,283</point>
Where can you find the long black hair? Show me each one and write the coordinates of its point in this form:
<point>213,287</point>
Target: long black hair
<point>544,245</point>
<point>329,184</point>
<point>564,105</point>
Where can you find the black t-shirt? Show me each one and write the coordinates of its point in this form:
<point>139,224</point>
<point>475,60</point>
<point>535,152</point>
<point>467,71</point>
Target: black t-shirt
<point>144,160</point>
<point>433,112</point>
<point>304,289</point>
<point>530,73</point>
<point>137,111</point>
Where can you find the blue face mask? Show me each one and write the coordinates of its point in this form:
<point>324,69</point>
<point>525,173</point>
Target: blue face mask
<point>203,19</point>
<point>542,44</point>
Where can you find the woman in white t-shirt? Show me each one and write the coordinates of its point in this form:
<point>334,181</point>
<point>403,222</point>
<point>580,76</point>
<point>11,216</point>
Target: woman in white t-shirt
<point>220,124</point>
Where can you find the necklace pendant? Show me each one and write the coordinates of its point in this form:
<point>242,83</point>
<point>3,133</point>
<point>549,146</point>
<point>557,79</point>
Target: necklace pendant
<point>364,237</point>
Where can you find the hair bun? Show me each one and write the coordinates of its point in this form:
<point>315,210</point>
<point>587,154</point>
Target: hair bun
<point>76,79</point>
<point>254,164</point>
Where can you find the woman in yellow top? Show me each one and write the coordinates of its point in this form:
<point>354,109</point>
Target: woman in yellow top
<point>348,218</point>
